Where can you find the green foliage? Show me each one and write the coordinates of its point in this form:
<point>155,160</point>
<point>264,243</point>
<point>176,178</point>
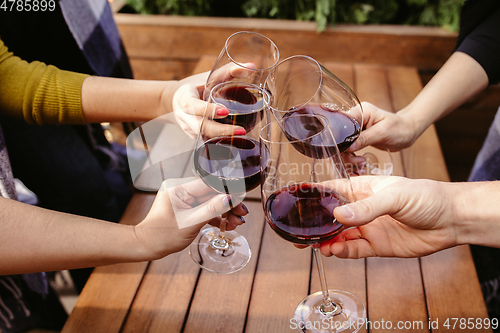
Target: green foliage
<point>444,13</point>
<point>171,7</point>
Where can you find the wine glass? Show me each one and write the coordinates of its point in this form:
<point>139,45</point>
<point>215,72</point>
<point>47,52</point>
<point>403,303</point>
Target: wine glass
<point>303,180</point>
<point>301,85</point>
<point>246,57</point>
<point>227,158</point>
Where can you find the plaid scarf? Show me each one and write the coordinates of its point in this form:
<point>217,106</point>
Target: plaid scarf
<point>94,30</point>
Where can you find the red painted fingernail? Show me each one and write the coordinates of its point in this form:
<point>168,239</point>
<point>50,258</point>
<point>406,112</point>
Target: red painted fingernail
<point>240,131</point>
<point>222,112</point>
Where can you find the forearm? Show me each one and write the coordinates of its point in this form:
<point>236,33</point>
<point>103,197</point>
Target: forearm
<point>460,78</point>
<point>477,212</point>
<point>110,99</point>
<point>34,239</point>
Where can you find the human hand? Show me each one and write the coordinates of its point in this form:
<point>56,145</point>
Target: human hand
<point>190,107</point>
<point>394,217</point>
<point>178,213</point>
<point>384,130</point>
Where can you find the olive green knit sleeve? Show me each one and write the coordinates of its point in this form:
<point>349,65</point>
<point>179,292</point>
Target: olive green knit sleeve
<point>39,93</point>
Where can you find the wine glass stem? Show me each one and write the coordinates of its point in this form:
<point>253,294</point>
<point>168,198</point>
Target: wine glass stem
<point>220,242</point>
<point>327,306</point>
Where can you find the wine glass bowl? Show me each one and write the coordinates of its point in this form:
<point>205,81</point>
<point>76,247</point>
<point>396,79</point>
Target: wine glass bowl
<point>301,85</point>
<point>246,57</point>
<point>228,161</point>
<point>303,181</point>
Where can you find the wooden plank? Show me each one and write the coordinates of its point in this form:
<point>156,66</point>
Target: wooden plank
<point>449,276</point>
<point>396,295</point>
<point>161,69</point>
<point>205,63</point>
<point>177,37</point>
<point>164,295</point>
<point>221,301</point>
<point>396,278</point>
<point>281,282</point>
<point>424,159</point>
<point>105,300</point>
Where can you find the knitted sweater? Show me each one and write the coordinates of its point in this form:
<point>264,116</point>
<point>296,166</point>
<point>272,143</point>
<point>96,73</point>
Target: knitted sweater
<point>39,93</point>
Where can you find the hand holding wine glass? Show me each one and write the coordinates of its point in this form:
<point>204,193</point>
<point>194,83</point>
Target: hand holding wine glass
<point>397,217</point>
<point>229,163</point>
<point>179,212</point>
<point>385,130</point>
<point>303,181</point>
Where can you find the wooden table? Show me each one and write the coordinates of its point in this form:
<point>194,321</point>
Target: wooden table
<point>174,295</point>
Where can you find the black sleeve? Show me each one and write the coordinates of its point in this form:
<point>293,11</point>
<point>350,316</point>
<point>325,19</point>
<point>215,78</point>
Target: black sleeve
<point>483,43</point>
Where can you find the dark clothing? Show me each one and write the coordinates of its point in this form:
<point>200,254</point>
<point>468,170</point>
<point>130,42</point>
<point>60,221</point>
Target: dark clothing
<point>479,37</point>
<point>71,169</point>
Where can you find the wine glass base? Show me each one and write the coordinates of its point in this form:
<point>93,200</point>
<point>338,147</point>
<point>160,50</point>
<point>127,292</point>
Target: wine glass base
<point>378,162</point>
<point>349,318</point>
<point>220,261</point>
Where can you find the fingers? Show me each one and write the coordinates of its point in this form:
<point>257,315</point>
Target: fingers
<point>385,202</point>
<point>354,249</point>
<point>212,129</point>
<point>242,72</point>
<point>234,217</point>
<point>369,137</point>
<point>349,245</point>
<point>232,71</point>
<point>240,210</point>
<point>206,211</point>
<point>354,165</point>
<point>188,99</point>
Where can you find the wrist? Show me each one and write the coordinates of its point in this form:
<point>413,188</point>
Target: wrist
<point>476,214</point>
<point>416,122</point>
<point>167,97</point>
<point>150,244</point>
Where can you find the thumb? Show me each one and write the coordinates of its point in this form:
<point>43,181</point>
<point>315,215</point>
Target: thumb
<point>368,209</point>
<point>364,139</point>
<point>209,209</point>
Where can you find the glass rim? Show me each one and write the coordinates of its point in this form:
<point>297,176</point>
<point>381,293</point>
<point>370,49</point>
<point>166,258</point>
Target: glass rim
<point>226,44</point>
<point>322,118</point>
<point>320,70</point>
<point>265,95</point>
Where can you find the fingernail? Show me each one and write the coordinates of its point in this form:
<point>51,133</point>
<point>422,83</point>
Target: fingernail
<point>240,131</point>
<point>227,201</point>
<point>346,211</point>
<point>222,112</point>
<point>241,218</point>
<point>244,207</point>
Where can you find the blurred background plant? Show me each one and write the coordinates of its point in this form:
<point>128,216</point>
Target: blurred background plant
<point>443,13</point>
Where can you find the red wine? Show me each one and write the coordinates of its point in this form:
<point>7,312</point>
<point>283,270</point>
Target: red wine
<point>244,103</point>
<point>345,129</point>
<point>303,213</point>
<point>229,164</point>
